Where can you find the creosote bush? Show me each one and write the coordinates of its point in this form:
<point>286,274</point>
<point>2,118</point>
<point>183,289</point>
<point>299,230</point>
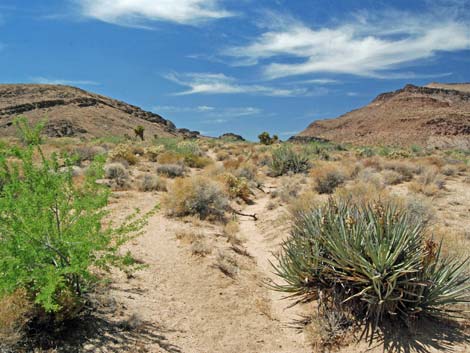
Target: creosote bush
<point>197,196</point>
<point>372,258</point>
<point>285,159</point>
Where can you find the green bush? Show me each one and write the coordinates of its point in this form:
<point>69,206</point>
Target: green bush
<point>51,233</point>
<point>29,135</point>
<point>372,258</point>
<point>285,159</point>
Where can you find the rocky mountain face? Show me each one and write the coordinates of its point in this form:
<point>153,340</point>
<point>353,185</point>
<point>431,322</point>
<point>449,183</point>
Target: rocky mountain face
<point>437,115</point>
<point>70,111</point>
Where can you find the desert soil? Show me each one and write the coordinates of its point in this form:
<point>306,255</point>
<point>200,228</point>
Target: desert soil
<point>184,303</point>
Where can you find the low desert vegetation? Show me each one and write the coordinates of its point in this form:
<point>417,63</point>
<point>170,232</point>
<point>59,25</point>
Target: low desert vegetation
<point>53,244</point>
<point>286,159</point>
<point>367,235</point>
<point>197,196</point>
<point>372,260</point>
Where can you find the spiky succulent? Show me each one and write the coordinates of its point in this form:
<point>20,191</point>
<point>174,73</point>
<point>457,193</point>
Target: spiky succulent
<point>374,258</point>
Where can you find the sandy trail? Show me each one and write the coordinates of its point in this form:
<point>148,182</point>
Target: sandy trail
<point>186,304</point>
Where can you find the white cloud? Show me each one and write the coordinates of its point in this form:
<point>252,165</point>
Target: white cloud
<point>370,46</point>
<point>210,83</point>
<point>138,12</point>
<point>215,115</point>
<point>49,81</point>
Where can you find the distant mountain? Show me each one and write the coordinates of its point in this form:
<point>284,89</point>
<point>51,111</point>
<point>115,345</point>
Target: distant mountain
<point>437,115</point>
<point>71,111</point>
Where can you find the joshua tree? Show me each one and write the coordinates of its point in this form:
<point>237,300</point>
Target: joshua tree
<point>139,131</point>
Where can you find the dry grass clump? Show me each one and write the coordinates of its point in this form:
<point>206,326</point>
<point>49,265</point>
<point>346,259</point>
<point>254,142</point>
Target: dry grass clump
<point>449,170</point>
<point>429,183</point>
<point>171,170</point>
<point>227,264</point>
<point>170,157</point>
<point>198,196</point>
<point>362,191</point>
<point>150,182</point>
<point>118,173</point>
<point>222,155</point>
<point>327,179</point>
<point>15,312</point>
<point>87,153</point>
<point>231,230</point>
<point>123,153</point>
<point>289,189</point>
<point>391,177</point>
<point>406,169</point>
<point>371,176</point>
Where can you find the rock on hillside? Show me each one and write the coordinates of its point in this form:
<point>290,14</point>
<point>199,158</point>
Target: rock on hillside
<point>71,111</point>
<point>437,115</point>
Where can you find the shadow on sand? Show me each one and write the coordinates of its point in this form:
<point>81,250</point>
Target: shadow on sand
<point>93,333</point>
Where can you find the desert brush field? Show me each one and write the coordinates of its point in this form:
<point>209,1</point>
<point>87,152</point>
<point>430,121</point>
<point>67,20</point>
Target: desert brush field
<point>164,244</point>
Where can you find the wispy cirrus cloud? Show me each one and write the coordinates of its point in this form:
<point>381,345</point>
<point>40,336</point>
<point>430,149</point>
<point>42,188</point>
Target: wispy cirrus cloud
<point>54,81</point>
<point>217,83</point>
<point>139,12</point>
<point>372,45</point>
<point>216,115</point>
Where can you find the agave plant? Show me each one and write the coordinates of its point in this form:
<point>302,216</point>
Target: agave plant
<point>374,258</point>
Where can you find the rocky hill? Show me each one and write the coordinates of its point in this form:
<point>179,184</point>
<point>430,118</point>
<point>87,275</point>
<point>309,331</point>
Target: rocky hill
<point>70,111</point>
<point>437,115</point>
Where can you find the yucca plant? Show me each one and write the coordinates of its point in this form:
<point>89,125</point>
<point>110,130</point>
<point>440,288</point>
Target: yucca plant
<point>285,159</point>
<point>375,259</point>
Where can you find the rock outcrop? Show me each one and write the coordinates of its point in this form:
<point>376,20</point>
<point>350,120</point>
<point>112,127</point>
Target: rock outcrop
<point>433,116</point>
<point>71,111</point>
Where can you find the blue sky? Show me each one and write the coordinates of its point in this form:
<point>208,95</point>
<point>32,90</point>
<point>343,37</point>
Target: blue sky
<point>242,66</point>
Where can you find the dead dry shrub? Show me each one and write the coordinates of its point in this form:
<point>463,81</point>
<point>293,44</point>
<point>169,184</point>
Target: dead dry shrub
<point>117,173</point>
<point>170,157</point>
<point>227,264</point>
<point>87,153</point>
<point>360,191</point>
<point>289,189</point>
<point>406,169</point>
<point>429,183</point>
<point>231,230</point>
<point>171,170</point>
<point>199,196</point>
<point>15,312</point>
<point>150,182</point>
<point>327,178</point>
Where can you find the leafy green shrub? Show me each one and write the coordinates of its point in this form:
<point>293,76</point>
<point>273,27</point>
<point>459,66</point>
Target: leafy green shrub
<point>196,196</point>
<point>51,233</point>
<point>171,170</point>
<point>285,159</point>
<point>29,134</point>
<point>373,258</point>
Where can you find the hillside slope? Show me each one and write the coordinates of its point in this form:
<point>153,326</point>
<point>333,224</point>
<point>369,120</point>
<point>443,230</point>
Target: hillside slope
<point>434,116</point>
<point>71,111</point>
